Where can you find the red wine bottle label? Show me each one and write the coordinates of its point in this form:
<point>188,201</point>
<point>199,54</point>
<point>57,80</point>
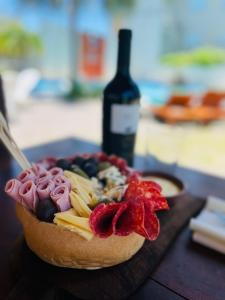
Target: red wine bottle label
<point>124,118</point>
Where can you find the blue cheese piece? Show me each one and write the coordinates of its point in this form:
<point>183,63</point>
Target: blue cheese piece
<point>112,176</point>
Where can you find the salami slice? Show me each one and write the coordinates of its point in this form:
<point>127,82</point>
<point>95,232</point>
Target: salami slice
<point>157,203</point>
<point>123,220</point>
<point>150,226</point>
<point>145,188</point>
<point>101,219</point>
<point>147,191</point>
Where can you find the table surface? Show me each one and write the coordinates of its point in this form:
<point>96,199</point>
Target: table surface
<point>188,270</point>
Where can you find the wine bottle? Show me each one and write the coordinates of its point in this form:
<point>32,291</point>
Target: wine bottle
<point>121,105</point>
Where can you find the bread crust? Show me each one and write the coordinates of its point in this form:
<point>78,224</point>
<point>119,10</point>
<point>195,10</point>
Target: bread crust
<point>61,247</point>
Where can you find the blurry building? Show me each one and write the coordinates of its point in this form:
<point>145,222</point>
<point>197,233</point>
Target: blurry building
<point>193,23</point>
<point>81,39</point>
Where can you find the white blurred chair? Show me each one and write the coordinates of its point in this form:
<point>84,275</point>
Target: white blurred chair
<point>25,82</point>
<point>18,87</point>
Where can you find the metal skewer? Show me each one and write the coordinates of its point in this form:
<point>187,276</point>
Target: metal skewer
<point>11,145</point>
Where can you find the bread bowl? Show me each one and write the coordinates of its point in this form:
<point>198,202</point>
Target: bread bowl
<point>46,240</point>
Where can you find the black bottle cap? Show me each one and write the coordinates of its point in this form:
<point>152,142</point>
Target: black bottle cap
<point>125,34</point>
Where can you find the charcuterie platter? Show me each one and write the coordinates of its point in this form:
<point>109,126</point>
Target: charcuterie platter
<point>87,211</point>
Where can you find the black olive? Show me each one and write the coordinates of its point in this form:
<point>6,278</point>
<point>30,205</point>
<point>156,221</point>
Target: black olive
<point>90,168</point>
<point>45,210</point>
<point>63,164</point>
<point>79,161</point>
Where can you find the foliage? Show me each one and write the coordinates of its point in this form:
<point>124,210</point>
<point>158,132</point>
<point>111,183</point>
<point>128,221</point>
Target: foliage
<point>120,5</point>
<point>205,56</point>
<point>16,42</point>
<point>83,90</point>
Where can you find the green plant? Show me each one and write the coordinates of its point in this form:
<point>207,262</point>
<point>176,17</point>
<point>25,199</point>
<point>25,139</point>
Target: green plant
<point>118,5</point>
<point>16,42</point>
<point>80,90</point>
<point>205,56</point>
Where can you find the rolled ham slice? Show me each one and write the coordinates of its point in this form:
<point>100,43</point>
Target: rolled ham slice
<point>43,177</point>
<point>38,169</point>
<point>28,193</point>
<point>60,196</point>
<point>44,189</point>
<point>12,189</point>
<point>62,180</point>
<point>26,175</point>
<point>56,171</point>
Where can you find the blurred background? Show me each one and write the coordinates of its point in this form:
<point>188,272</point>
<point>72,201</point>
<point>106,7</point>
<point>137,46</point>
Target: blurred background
<point>56,56</point>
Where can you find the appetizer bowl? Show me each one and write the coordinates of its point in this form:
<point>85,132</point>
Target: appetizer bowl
<point>88,211</point>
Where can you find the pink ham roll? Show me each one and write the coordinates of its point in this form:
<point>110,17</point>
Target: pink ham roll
<point>38,169</point>
<point>43,176</point>
<point>44,189</point>
<point>62,180</point>
<point>28,193</point>
<point>26,175</point>
<point>60,196</point>
<point>56,171</point>
<point>12,189</point>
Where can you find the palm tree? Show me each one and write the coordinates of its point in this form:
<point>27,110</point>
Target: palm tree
<point>17,43</point>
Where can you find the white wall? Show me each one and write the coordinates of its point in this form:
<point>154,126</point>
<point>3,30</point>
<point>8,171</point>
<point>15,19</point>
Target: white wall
<point>146,21</point>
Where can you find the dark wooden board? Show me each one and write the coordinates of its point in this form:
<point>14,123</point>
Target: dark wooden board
<point>200,272</point>
<point>151,290</point>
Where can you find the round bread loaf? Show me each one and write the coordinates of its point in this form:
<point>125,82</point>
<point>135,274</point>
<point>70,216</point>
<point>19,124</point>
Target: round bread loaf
<point>64,248</point>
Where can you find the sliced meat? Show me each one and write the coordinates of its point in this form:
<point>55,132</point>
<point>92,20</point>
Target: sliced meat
<point>60,196</point>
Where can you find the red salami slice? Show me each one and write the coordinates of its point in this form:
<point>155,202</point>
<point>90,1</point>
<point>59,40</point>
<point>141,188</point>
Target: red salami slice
<point>150,227</point>
<point>140,188</point>
<point>123,220</point>
<point>157,203</point>
<point>147,191</point>
<point>129,218</point>
<point>101,219</point>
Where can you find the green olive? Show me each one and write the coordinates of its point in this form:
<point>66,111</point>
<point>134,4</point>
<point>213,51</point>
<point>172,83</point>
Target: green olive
<point>104,165</point>
<point>75,169</point>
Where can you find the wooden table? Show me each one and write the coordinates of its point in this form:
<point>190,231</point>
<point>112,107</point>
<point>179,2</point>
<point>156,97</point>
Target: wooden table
<point>188,271</point>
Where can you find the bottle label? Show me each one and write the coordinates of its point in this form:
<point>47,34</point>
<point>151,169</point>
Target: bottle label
<point>124,118</point>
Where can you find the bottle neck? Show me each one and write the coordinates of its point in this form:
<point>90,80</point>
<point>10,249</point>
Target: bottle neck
<point>123,59</point>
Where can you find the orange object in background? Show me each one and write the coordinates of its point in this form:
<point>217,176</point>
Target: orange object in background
<point>91,56</point>
<point>180,100</point>
<point>187,108</point>
<point>212,98</point>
